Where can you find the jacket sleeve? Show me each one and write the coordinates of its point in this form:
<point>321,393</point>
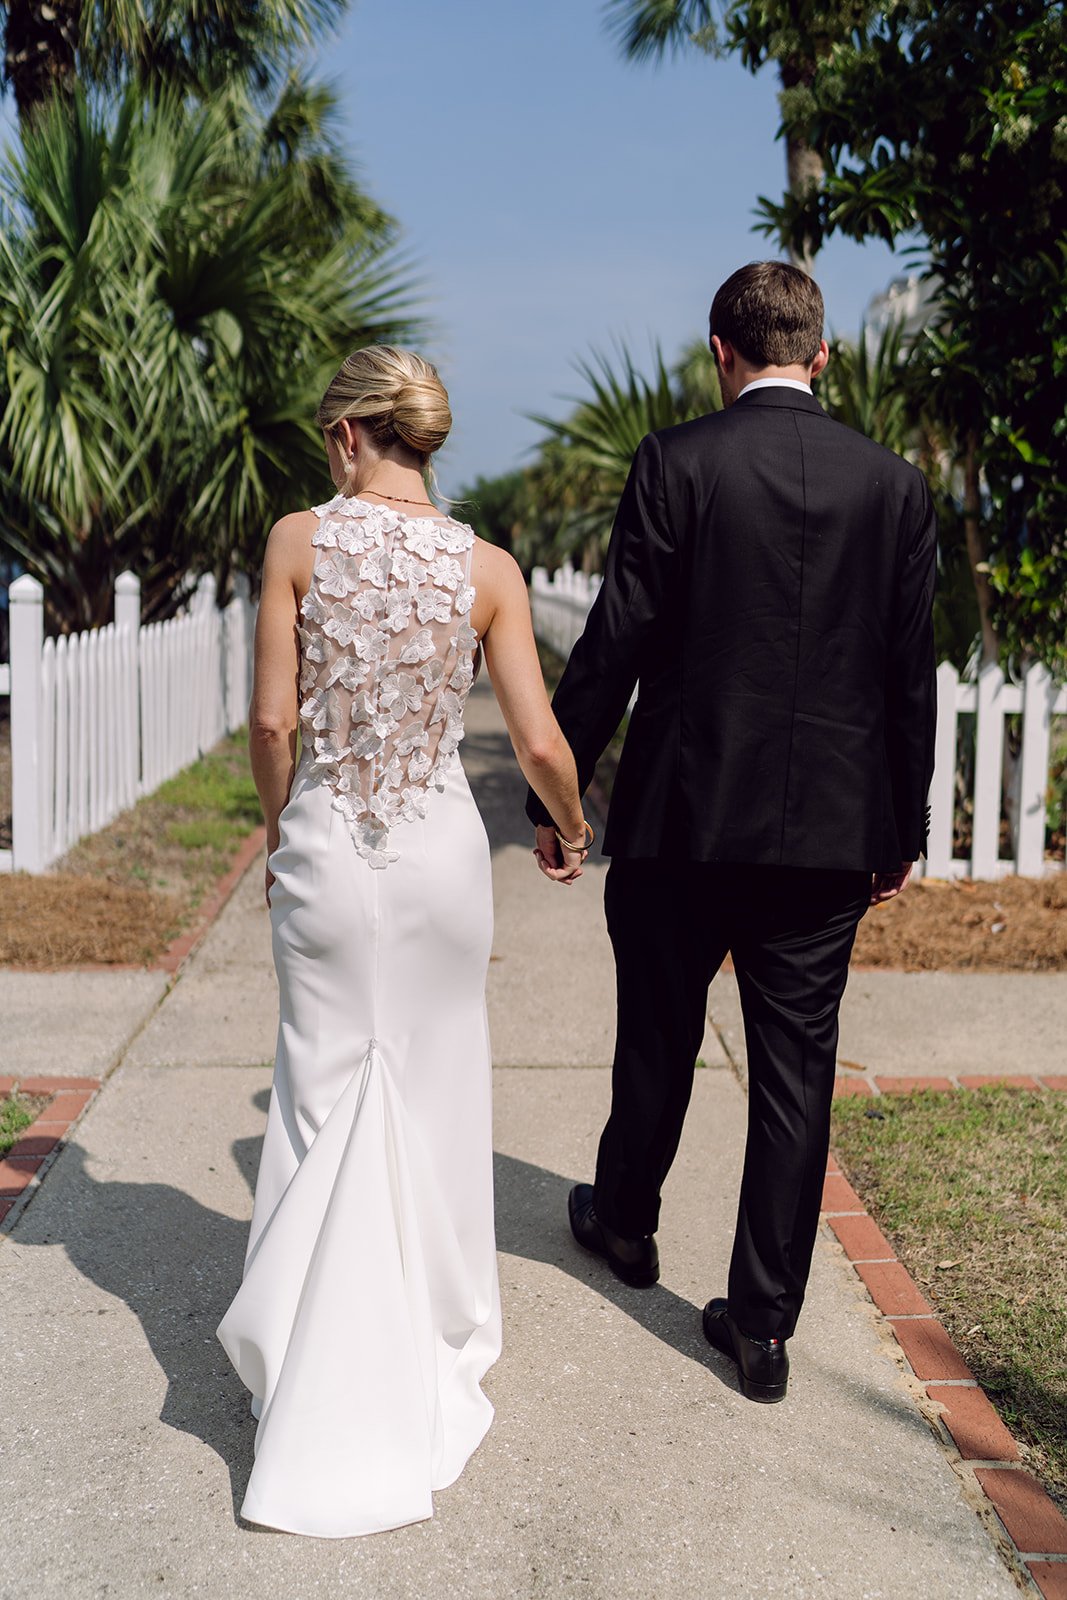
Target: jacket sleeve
<point>605,663</point>
<point>911,680</point>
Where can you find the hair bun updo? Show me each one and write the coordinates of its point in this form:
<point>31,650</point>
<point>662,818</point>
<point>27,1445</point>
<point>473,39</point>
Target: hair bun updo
<point>421,415</point>
<point>395,394</point>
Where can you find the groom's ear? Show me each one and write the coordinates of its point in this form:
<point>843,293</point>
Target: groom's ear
<point>819,364</point>
<point>723,351</point>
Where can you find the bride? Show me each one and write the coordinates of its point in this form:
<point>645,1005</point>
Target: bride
<point>369,1309</point>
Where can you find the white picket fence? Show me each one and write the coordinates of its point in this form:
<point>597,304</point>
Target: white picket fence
<point>561,604</point>
<point>102,717</point>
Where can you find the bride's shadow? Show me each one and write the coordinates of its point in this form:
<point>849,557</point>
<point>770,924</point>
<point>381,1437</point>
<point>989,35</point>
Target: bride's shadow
<point>177,1264</point>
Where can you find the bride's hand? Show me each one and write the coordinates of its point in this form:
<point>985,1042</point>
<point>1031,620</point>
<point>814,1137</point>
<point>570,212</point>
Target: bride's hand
<point>555,860</point>
<point>267,886</point>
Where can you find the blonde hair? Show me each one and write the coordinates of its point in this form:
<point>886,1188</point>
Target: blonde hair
<point>395,394</point>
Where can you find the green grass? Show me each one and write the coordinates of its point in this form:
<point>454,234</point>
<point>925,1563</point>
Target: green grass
<point>217,786</point>
<point>16,1113</point>
<point>971,1187</point>
<point>210,806</point>
<point>208,833</point>
<point>182,835</point>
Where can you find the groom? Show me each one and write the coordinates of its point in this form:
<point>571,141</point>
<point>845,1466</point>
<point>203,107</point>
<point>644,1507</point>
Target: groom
<point>769,584</point>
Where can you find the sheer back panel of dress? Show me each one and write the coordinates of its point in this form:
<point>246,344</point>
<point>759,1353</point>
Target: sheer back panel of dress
<point>387,660</point>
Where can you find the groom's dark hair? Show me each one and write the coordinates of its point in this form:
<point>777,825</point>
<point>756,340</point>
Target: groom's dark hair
<point>771,313</point>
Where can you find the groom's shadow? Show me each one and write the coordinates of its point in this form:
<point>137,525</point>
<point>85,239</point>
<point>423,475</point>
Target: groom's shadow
<point>531,1222</point>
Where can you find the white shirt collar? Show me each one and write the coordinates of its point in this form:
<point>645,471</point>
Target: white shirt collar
<point>776,383</point>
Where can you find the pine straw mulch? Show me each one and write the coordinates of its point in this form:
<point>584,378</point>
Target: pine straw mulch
<point>120,896</point>
<point>1011,925</point>
<point>69,919</point>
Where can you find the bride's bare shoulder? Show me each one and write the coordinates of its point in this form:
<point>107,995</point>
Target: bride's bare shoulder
<point>495,569</point>
<point>288,546</point>
<point>294,528</point>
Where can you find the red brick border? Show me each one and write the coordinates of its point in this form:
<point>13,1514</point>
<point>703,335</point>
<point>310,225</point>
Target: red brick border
<point>25,1164</point>
<point>846,1084</point>
<point>1033,1523</point>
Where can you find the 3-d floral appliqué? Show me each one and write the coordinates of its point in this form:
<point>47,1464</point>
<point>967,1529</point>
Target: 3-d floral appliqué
<point>387,660</point>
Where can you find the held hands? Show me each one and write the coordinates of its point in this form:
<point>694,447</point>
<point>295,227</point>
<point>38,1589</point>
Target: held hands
<point>887,885</point>
<point>557,860</point>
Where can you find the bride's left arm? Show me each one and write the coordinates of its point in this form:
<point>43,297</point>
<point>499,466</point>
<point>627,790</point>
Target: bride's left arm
<point>273,711</point>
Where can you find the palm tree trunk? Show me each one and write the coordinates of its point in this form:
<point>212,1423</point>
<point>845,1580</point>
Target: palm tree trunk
<point>976,550</point>
<point>804,171</point>
<point>40,44</point>
<point>804,166</point>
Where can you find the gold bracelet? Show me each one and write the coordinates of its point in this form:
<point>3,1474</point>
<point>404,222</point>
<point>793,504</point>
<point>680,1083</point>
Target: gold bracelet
<point>569,845</point>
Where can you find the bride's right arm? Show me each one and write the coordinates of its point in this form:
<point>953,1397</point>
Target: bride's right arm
<point>273,711</point>
<point>515,670</point>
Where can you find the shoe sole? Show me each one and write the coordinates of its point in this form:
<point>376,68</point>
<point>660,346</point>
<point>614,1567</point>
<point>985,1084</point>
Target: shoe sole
<point>644,1281</point>
<point>765,1393</point>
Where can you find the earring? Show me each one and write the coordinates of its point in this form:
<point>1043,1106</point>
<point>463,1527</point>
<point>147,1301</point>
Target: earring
<point>348,466</point>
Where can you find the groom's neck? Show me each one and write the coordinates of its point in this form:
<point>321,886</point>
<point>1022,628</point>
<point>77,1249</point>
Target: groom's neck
<point>797,373</point>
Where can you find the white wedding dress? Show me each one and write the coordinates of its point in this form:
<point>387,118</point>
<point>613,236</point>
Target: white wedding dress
<point>369,1309</point>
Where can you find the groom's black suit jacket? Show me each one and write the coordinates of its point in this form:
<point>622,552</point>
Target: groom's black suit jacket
<point>769,581</point>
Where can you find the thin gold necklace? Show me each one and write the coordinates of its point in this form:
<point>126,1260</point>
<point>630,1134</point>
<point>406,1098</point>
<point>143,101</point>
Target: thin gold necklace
<point>404,501</point>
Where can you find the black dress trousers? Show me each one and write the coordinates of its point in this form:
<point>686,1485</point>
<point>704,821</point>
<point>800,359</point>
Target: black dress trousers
<point>790,931</point>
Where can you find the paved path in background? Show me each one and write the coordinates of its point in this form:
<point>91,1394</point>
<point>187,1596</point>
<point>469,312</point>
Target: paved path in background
<point>622,1463</point>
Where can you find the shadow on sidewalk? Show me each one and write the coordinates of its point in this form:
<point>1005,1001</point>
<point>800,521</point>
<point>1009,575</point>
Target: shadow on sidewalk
<point>498,788</point>
<point>177,1264</point>
<point>531,1222</point>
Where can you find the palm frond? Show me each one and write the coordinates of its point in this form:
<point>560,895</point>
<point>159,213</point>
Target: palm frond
<point>171,306</point>
<point>651,29</point>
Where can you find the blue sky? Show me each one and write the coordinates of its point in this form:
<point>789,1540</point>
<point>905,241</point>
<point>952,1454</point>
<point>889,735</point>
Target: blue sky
<point>557,197</point>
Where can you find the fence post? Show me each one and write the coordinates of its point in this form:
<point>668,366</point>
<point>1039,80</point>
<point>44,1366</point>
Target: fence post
<point>943,786</point>
<point>988,773</point>
<point>128,600</point>
<point>128,616</point>
<point>1033,772</point>
<point>26,598</point>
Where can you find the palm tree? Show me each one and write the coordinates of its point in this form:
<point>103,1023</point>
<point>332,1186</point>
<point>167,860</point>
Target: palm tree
<point>172,299</point>
<point>40,50</point>
<point>584,461</point>
<point>49,45</point>
<point>866,385</point>
<point>796,34</point>
<point>696,380</point>
<point>583,477</point>
<point>885,389</point>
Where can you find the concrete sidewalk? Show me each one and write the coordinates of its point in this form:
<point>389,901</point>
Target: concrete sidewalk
<point>623,1461</point>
